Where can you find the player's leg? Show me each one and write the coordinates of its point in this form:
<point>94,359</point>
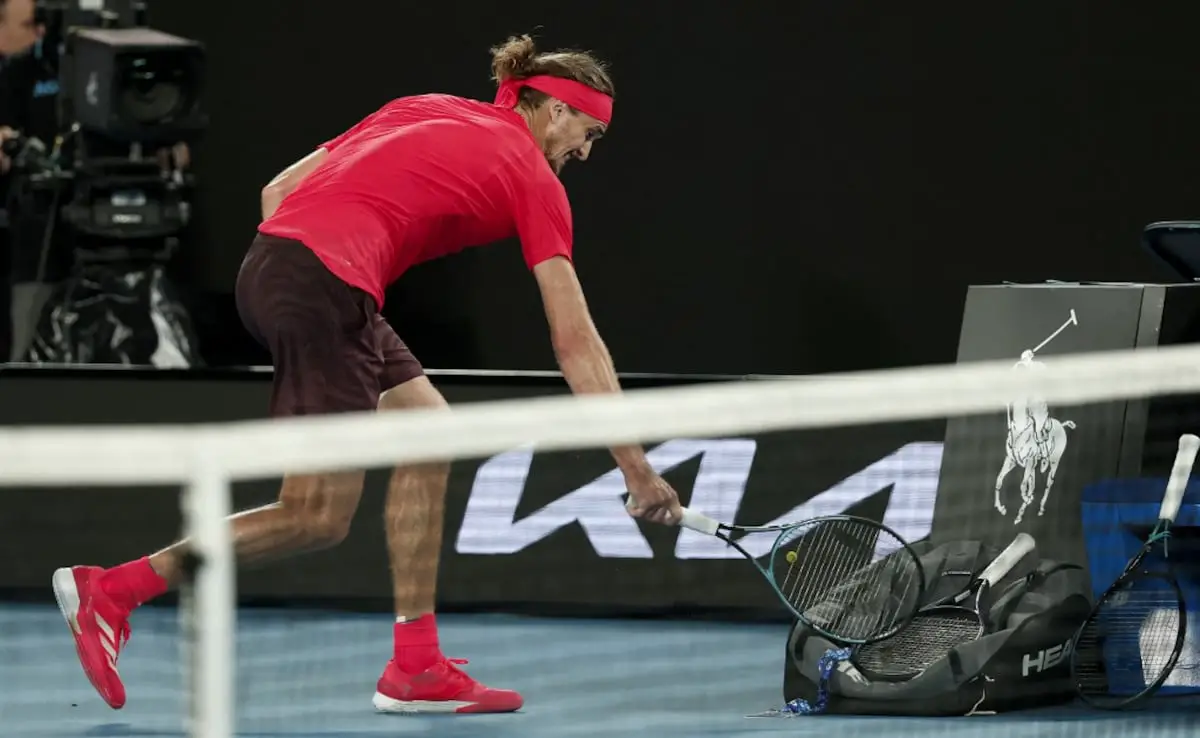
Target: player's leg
<point>415,511</point>
<point>321,338</point>
<point>420,678</point>
<point>313,513</point>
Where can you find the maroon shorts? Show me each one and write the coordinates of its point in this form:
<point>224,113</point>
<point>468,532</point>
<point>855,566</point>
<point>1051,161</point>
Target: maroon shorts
<point>332,350</point>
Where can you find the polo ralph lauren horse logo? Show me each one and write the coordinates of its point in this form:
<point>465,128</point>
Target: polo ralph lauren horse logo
<point>1036,442</point>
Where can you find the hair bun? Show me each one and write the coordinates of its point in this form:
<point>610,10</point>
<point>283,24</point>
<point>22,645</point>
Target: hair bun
<point>514,58</point>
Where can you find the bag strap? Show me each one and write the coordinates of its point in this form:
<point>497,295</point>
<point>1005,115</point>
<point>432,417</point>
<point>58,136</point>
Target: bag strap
<point>1013,593</point>
<point>961,562</point>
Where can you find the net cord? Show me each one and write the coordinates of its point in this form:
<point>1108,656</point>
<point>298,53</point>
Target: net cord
<point>163,454</point>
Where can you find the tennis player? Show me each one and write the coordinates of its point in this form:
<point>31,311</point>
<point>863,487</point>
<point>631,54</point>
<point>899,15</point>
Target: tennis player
<point>421,178</point>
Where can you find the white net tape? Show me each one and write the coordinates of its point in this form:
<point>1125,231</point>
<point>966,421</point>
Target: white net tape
<point>173,454</point>
<point>206,458</point>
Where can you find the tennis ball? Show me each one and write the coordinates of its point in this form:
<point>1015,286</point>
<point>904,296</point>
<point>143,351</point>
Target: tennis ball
<point>791,557</point>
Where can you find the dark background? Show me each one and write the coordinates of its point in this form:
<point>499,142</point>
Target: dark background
<point>787,188</point>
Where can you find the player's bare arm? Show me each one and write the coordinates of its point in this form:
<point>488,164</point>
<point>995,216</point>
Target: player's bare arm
<point>588,368</point>
<point>289,179</point>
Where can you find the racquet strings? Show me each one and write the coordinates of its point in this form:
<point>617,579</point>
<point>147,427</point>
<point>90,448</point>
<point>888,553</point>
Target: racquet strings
<point>929,637</point>
<point>841,576</point>
<point>1130,641</point>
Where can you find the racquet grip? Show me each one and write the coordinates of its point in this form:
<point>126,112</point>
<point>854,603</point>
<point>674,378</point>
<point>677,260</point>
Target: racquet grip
<point>1181,472</point>
<point>1008,558</point>
<point>697,522</point>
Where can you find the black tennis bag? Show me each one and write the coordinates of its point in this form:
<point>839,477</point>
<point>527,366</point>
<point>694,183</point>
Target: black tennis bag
<point>1023,663</point>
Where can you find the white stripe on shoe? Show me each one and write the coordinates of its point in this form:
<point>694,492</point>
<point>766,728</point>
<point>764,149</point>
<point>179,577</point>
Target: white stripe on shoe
<point>108,640</point>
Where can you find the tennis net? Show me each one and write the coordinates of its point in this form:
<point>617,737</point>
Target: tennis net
<point>971,452</point>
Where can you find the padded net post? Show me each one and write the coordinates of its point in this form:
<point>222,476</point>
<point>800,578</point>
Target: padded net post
<point>209,607</point>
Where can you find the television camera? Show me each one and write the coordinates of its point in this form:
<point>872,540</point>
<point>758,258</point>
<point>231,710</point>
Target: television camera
<point>125,92</point>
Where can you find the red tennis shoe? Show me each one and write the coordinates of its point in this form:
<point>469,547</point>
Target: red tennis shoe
<point>442,688</point>
<point>100,627</point>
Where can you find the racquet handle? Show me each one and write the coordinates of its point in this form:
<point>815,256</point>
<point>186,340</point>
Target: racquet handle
<point>1180,473</point>
<point>1008,558</point>
<point>698,522</point>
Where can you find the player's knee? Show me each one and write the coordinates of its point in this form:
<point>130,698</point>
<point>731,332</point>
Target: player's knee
<point>325,530</point>
<point>320,508</point>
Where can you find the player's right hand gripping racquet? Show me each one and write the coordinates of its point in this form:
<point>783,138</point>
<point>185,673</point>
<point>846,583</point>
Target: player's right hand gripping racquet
<point>1135,633</point>
<point>850,579</point>
<point>942,626</point>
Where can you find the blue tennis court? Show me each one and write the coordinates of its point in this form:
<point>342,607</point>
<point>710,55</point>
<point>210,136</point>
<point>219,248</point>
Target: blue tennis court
<point>313,674</point>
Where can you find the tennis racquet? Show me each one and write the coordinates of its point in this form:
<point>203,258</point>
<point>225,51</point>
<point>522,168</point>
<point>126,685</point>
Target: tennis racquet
<point>850,579</point>
<point>1134,636</point>
<point>939,628</point>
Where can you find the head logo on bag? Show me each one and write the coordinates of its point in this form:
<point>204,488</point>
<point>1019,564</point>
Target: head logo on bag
<point>1047,658</point>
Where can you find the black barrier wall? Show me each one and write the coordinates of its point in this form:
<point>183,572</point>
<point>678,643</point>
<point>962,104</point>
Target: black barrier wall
<point>786,188</point>
<point>544,531</point>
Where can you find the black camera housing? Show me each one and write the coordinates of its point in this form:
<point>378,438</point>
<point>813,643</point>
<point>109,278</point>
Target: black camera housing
<point>127,92</point>
<point>135,85</point>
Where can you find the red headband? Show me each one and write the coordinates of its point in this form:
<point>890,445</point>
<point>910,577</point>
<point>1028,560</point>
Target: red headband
<point>577,95</point>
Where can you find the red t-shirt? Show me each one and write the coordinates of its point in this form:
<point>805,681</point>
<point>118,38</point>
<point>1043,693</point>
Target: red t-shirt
<point>421,178</point>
